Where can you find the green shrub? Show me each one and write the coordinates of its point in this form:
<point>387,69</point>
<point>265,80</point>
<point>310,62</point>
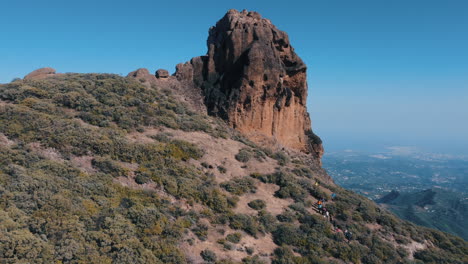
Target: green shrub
<point>286,234</point>
<point>252,260</point>
<point>257,204</point>
<point>303,172</point>
<point>222,169</point>
<point>239,186</point>
<point>107,165</point>
<point>259,155</point>
<point>287,216</point>
<point>244,155</point>
<point>162,137</point>
<point>244,222</point>
<point>267,221</point>
<point>183,150</point>
<point>234,237</point>
<point>282,158</point>
<point>201,231</point>
<point>142,178</point>
<point>208,256</point>
<point>249,250</point>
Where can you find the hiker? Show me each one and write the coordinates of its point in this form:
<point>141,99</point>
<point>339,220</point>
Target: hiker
<point>327,215</point>
<point>316,184</point>
<point>320,206</point>
<point>348,234</point>
<point>333,196</point>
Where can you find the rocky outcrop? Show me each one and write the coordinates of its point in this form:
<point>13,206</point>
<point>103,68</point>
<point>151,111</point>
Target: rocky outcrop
<point>183,91</point>
<point>41,73</point>
<point>162,74</point>
<point>252,78</point>
<point>141,73</point>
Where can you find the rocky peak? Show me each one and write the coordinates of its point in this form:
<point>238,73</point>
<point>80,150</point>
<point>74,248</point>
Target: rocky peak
<point>252,78</point>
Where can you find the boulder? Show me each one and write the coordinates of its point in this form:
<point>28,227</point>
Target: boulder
<point>162,74</point>
<point>139,73</point>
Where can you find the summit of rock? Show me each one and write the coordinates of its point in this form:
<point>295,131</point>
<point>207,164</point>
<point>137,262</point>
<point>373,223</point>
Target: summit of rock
<point>252,78</point>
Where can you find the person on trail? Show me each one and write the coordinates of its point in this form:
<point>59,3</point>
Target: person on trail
<point>348,235</point>
<point>333,195</point>
<point>327,215</point>
<point>320,208</point>
<point>316,183</point>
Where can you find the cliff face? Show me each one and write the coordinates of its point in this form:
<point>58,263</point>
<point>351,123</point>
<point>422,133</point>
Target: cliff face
<point>252,78</point>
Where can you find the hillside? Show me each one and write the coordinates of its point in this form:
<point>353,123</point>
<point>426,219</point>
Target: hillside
<point>100,168</point>
<point>436,208</point>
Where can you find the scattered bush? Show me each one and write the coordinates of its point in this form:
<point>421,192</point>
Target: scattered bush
<point>257,204</point>
<point>142,178</point>
<point>244,222</point>
<point>267,221</point>
<point>282,158</point>
<point>249,250</point>
<point>239,186</point>
<point>208,256</point>
<point>234,237</point>
<point>201,231</point>
<point>222,169</point>
<point>183,150</point>
<point>109,166</point>
<point>244,155</point>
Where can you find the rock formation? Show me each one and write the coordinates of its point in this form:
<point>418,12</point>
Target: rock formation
<point>141,73</point>
<point>184,91</point>
<point>41,73</point>
<point>252,78</point>
<point>161,73</point>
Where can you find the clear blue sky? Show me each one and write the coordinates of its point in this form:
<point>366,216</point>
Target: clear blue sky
<point>381,73</point>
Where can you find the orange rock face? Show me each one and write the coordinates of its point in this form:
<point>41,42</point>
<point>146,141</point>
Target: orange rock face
<point>252,78</point>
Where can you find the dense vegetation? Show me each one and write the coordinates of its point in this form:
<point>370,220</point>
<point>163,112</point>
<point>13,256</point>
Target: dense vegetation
<point>56,210</point>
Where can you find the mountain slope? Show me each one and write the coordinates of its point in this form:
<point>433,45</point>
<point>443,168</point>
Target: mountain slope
<point>436,208</point>
<point>102,169</point>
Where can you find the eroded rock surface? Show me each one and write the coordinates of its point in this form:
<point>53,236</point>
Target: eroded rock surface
<point>252,78</point>
<point>162,74</point>
<point>142,74</point>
